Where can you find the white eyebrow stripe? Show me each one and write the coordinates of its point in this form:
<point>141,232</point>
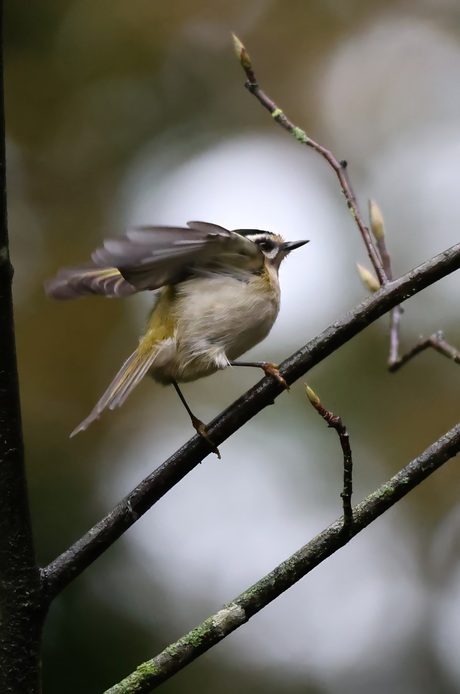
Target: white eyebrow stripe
<point>261,237</point>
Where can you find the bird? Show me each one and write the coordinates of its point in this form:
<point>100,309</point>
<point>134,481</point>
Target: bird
<point>216,295</point>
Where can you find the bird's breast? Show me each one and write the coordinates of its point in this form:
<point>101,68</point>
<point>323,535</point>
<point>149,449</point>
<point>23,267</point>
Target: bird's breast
<point>226,314</point>
<point>217,319</point>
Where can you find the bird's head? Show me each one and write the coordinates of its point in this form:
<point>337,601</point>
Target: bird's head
<point>273,246</point>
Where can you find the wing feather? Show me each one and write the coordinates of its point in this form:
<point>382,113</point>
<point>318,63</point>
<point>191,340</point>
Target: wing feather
<point>72,282</point>
<point>150,257</point>
<point>147,258</point>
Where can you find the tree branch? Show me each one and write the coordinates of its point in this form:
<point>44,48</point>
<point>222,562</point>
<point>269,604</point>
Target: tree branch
<point>175,657</point>
<point>436,341</point>
<point>85,551</point>
<point>379,257</point>
<point>340,167</point>
<point>20,618</point>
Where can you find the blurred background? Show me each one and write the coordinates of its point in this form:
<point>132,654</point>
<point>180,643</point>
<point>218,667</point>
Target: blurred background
<point>121,113</point>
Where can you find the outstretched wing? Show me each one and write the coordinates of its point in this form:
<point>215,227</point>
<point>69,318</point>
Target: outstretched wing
<point>147,258</point>
<point>72,282</point>
<point>150,257</point>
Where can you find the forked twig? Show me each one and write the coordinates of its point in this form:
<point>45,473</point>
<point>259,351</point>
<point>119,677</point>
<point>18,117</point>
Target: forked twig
<point>436,341</point>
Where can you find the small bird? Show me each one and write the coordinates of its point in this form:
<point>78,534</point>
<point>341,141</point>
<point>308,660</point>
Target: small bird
<point>217,296</point>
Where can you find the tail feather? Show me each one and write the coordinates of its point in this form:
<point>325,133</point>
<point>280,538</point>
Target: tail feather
<point>130,374</point>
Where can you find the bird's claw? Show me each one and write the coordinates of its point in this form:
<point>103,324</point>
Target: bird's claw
<point>272,370</point>
<point>201,430</point>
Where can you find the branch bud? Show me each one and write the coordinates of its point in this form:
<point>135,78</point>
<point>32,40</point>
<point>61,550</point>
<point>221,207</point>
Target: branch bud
<point>311,395</point>
<point>368,279</point>
<point>376,221</point>
<point>241,53</point>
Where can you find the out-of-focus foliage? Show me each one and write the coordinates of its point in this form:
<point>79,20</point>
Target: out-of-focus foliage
<point>124,112</point>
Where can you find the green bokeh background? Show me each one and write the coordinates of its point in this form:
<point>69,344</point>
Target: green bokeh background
<point>89,85</point>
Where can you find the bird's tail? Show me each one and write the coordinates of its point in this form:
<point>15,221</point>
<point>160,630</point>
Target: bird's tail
<point>130,374</point>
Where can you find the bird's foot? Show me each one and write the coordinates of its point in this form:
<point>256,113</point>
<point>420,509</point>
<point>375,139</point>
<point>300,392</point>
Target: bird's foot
<point>268,368</point>
<point>272,370</point>
<point>201,430</point>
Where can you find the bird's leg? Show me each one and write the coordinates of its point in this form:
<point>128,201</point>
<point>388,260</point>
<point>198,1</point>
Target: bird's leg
<point>198,425</point>
<point>269,369</point>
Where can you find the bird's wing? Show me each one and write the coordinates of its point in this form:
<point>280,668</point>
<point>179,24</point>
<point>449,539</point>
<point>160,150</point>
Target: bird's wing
<point>150,257</point>
<point>147,258</point>
<point>72,282</point>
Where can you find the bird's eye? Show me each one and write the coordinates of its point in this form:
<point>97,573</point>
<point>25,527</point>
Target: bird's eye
<point>266,245</point>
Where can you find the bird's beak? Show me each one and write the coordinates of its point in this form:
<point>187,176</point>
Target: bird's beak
<point>289,246</point>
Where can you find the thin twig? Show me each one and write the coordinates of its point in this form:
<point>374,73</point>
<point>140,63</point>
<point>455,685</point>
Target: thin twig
<point>437,342</point>
<point>175,657</point>
<point>340,167</point>
<point>378,232</point>
<point>85,551</point>
<point>395,336</point>
<point>335,422</point>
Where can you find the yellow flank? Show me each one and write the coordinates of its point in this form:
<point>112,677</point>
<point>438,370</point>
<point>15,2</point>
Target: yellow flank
<point>161,322</point>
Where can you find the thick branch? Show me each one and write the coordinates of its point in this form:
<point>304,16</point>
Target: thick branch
<point>20,623</point>
<point>175,657</point>
<point>85,551</point>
